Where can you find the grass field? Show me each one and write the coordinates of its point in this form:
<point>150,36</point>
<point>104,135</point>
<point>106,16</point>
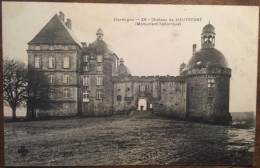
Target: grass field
<point>126,140</point>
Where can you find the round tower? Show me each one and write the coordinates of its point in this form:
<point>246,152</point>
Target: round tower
<point>208,82</point>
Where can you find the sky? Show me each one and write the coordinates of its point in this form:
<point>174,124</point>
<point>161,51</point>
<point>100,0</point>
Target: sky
<point>148,50</point>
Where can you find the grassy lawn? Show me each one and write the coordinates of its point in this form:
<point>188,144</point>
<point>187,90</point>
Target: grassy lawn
<point>126,140</point>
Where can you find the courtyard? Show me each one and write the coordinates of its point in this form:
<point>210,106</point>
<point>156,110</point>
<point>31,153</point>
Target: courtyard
<point>136,139</point>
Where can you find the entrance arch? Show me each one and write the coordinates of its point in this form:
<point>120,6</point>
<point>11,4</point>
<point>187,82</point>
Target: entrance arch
<point>142,105</point>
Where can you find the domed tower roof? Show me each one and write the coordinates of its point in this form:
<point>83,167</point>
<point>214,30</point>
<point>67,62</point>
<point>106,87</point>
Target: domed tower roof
<point>122,69</point>
<point>207,57</point>
<point>99,31</point>
<point>209,28</point>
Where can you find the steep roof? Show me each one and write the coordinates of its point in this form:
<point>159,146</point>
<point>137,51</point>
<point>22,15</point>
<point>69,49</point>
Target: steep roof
<point>55,32</point>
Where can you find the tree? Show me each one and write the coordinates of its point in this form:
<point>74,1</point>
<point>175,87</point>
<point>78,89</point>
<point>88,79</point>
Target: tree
<point>37,90</point>
<point>14,84</point>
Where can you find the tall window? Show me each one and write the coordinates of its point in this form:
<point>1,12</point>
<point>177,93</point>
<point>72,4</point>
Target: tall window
<point>66,78</point>
<point>100,80</point>
<point>51,78</point>
<point>86,80</point>
<point>37,62</point>
<point>99,58</point>
<point>100,68</point>
<point>85,58</point>
<point>66,62</point>
<point>142,88</point>
<point>51,94</point>
<point>211,83</point>
<point>99,94</point>
<point>66,93</point>
<point>85,95</point>
<point>51,62</point>
<point>86,67</point>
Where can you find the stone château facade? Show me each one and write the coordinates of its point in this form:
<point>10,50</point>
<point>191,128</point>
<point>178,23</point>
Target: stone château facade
<point>90,80</point>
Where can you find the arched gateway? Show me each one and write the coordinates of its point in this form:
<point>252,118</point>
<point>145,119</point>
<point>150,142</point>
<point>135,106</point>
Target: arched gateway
<point>142,104</point>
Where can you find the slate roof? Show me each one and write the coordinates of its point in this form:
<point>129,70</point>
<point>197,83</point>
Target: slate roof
<point>123,70</point>
<point>55,32</point>
<point>207,57</point>
<point>209,28</point>
<point>100,46</point>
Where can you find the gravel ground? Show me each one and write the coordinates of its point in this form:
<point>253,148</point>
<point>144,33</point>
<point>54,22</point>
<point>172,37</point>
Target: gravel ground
<point>126,140</point>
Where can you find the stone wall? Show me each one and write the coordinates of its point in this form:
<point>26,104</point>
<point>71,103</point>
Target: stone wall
<point>208,103</point>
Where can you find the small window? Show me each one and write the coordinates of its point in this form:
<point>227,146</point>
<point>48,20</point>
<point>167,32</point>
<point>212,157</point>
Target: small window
<point>51,62</point>
<point>66,93</point>
<point>211,83</point>
<point>86,67</point>
<point>128,89</point>
<point>51,94</point>
<point>99,58</point>
<point>100,80</point>
<point>119,90</point>
<point>119,97</point>
<point>66,62</point>
<point>51,78</point>
<point>99,94</point>
<point>66,78</point>
<point>85,58</point>
<point>37,62</point>
<point>99,68</point>
<point>85,80</point>
<point>37,47</point>
<point>51,47</point>
<point>85,95</point>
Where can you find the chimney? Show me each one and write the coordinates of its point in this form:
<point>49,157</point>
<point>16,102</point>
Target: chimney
<point>61,16</point>
<point>84,44</point>
<point>68,23</point>
<point>194,48</point>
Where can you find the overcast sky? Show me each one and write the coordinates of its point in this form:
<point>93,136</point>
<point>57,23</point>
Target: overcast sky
<point>149,50</point>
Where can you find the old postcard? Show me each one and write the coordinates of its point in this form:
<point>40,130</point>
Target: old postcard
<point>127,84</point>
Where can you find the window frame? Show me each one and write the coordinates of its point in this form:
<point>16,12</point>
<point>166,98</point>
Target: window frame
<point>86,58</point>
<point>99,81</point>
<point>37,59</point>
<point>66,93</point>
<point>51,78</point>
<point>66,61</point>
<point>99,58</point>
<point>66,78</point>
<point>86,80</point>
<point>51,62</point>
<point>99,94</point>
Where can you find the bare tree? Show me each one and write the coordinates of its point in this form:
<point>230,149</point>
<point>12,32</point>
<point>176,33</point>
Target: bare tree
<point>14,84</point>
